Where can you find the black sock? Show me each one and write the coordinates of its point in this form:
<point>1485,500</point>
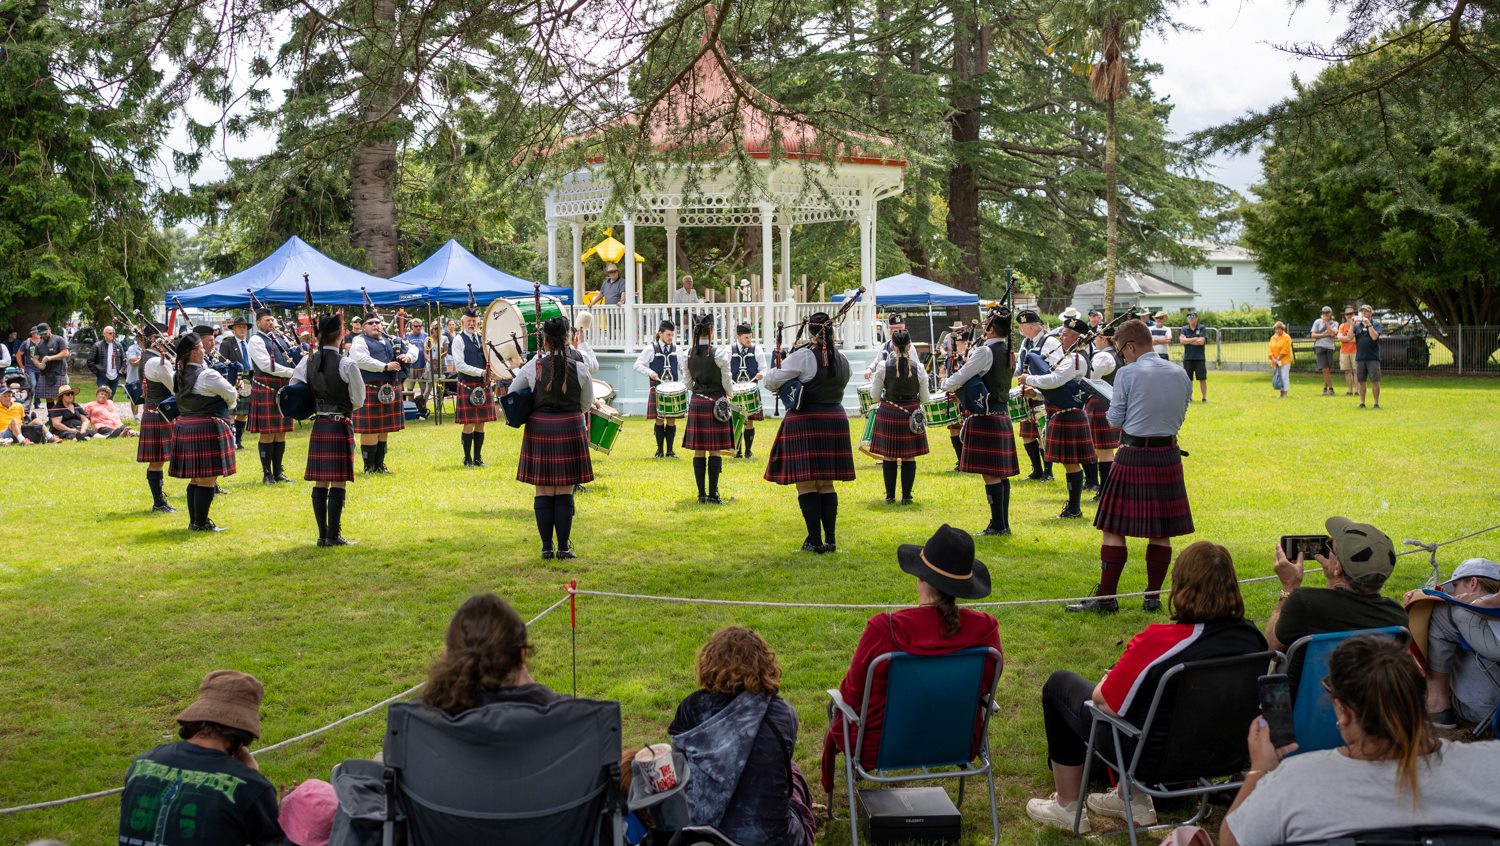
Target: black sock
<point>830,509</point>
<point>889,469</point>
<point>1075,489</point>
<point>205,501</point>
<point>700,468</point>
<point>1104,467</point>
<point>1047,468</point>
<point>365,450</point>
<point>264,450</point>
<point>812,515</point>
<point>278,452</point>
<point>998,495</point>
<point>153,481</point>
<point>468,441</point>
<point>336,512</point>
<point>1034,454</point>
<point>908,478</point>
<point>563,510</point>
<point>239,433</point>
<point>380,449</point>
<point>320,511</point>
<point>749,440</point>
<point>545,518</point>
<point>958,446</point>
<point>191,495</point>
<point>1091,473</point>
<point>661,438</point>
<point>715,466</point>
<point>478,446</point>
<point>671,439</point>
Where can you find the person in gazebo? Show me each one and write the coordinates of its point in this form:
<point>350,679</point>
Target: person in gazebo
<point>685,293</point>
<point>613,289</point>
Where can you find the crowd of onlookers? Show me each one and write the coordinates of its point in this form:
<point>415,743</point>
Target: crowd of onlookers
<point>1351,346</point>
<point>39,406</point>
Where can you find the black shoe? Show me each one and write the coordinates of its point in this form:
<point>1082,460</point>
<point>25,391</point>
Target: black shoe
<point>809,546</point>
<point>738,454</point>
<point>468,462</point>
<point>671,454</point>
<point>578,489</point>
<point>955,469</point>
<point>1097,606</point>
<point>1069,514</point>
<point>383,470</point>
<point>1094,488</point>
<point>906,500</point>
<point>890,500</point>
<point>238,447</point>
<point>567,553</point>
<point>1151,605</point>
<point>828,547</point>
<point>991,531</point>
<point>281,477</point>
<point>477,463</point>
<point>714,499</point>
<point>206,526</point>
<point>163,508</point>
<point>658,454</point>
<point>1047,477</point>
<point>1097,495</point>
<point>218,491</point>
<point>268,479</point>
<point>547,553</point>
<point>1033,476</point>
<point>749,454</point>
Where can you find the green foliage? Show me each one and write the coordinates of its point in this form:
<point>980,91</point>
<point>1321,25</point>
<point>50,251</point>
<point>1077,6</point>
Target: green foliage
<point>1228,318</point>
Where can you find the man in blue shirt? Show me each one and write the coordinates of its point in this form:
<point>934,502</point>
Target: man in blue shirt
<point>1194,340</point>
<point>1367,353</point>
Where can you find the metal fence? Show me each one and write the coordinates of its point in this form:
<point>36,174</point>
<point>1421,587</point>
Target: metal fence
<point>1461,350</point>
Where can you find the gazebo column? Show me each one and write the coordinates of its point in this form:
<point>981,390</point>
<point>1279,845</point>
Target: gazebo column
<point>629,261</point>
<point>767,327</point>
<point>671,252</point>
<point>867,275</point>
<point>552,251</point>
<point>786,260</point>
<point>577,263</point>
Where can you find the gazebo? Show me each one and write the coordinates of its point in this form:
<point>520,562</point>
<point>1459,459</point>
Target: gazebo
<point>801,177</point>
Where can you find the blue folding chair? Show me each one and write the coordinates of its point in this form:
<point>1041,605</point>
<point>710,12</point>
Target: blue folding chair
<point>1312,712</point>
<point>933,704</point>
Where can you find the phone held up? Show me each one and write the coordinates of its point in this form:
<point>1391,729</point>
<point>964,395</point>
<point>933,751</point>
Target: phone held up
<point>1276,708</point>
<point>1308,546</point>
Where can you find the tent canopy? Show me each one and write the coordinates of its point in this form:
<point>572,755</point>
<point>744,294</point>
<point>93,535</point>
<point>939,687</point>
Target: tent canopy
<point>447,273</point>
<point>277,280</point>
<point>905,289</point>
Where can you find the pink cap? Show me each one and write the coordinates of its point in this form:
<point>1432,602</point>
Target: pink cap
<point>307,813</point>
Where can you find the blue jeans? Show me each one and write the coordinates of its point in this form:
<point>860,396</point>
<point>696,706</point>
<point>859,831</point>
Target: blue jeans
<point>112,384</point>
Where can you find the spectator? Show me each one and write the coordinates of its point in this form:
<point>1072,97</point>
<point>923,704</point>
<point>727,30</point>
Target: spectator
<point>1347,349</point>
<point>104,415</point>
<point>1367,354</point>
<point>613,289</point>
<point>1325,332</point>
<point>305,342</point>
<point>206,787</point>
<point>1391,773</point>
<point>1361,559</point>
<point>1194,340</point>
<point>945,568</point>
<point>5,357</point>
<point>739,732</point>
<point>1208,616</point>
<point>107,360</point>
<point>685,293</point>
<point>1279,351</point>
<point>12,415</point>
<point>51,356</point>
<point>66,418</point>
<point>1161,335</point>
<point>307,812</point>
<point>30,354</point>
<point>1096,318</point>
<point>133,378</point>
<point>418,374</point>
<point>12,342</point>
<point>484,660</point>
<point>1463,647</point>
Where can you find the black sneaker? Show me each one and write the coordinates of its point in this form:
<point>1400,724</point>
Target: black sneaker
<point>1069,514</point>
<point>268,479</point>
<point>1033,476</point>
<point>749,454</point>
<point>163,508</point>
<point>578,489</point>
<point>1098,495</point>
<point>714,499</point>
<point>468,462</point>
<point>1048,477</point>
<point>890,500</point>
<point>906,500</point>
<point>809,546</point>
<point>281,477</point>
<point>828,547</point>
<point>478,463</point>
<point>1151,605</point>
<point>738,454</point>
<point>206,526</point>
<point>1091,487</point>
<point>547,553</point>
<point>671,454</point>
<point>1097,606</point>
<point>218,491</point>
<point>992,531</point>
<point>567,553</point>
<point>658,454</point>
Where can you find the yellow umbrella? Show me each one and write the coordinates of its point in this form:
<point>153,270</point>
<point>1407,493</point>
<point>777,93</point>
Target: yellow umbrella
<point>609,250</point>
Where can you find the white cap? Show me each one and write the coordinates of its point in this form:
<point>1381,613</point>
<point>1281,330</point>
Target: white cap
<point>1475,567</point>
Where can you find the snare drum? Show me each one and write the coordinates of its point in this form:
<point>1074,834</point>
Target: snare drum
<point>866,398</point>
<point>940,412</point>
<point>604,426</point>
<point>746,398</point>
<point>671,399</point>
<point>1017,405</point>
<point>869,435</point>
<point>604,393</point>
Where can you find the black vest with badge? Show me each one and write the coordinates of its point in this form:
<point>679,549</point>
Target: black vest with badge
<point>997,378</point>
<point>279,354</point>
<point>191,403</point>
<point>827,385</point>
<point>154,391</point>
<point>708,379</point>
<point>898,388</point>
<point>562,393</point>
<point>330,390</point>
<point>664,361</point>
<point>742,362</point>
<point>473,352</point>
<point>384,352</point>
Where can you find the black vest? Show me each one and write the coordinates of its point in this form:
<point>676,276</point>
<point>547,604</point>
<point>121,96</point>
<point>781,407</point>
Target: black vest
<point>556,398</point>
<point>708,380</point>
<point>827,385</point>
<point>473,351</point>
<point>1114,354</point>
<point>997,378</point>
<point>664,361</point>
<point>155,391</point>
<point>279,354</point>
<point>328,386</point>
<point>384,352</point>
<point>191,403</point>
<point>742,361</point>
<point>898,388</point>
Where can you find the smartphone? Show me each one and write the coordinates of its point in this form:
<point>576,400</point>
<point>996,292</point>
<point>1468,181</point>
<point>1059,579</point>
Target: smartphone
<point>1276,707</point>
<point>1308,546</point>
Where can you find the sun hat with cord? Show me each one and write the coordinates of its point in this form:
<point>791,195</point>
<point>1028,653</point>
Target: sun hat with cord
<point>947,563</point>
<point>65,388</point>
<point>230,698</point>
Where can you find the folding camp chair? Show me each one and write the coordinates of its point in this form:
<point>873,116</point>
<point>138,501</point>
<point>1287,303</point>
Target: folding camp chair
<point>1421,836</point>
<point>1312,712</point>
<point>933,704</point>
<point>1193,734</point>
<point>1490,721</point>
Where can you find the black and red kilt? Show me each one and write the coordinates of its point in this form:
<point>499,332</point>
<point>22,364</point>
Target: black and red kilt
<point>264,415</point>
<point>330,451</point>
<point>1068,438</point>
<point>202,446</point>
<point>376,417</point>
<point>893,437</point>
<point>555,450</point>
<point>1146,497</point>
<point>465,412</point>
<point>1026,429</point>
<point>155,442</point>
<point>812,445</point>
<point>1105,436</point>
<point>989,446</point>
<point>704,431</point>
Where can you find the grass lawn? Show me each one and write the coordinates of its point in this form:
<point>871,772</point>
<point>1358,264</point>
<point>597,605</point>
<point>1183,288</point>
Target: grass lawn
<point>113,614</point>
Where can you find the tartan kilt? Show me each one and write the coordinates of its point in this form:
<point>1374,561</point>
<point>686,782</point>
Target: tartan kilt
<point>703,430</point>
<point>202,446</point>
<point>555,450</point>
<point>264,415</point>
<point>330,451</point>
<point>812,446</point>
<point>1105,436</point>
<point>48,383</point>
<point>1026,429</point>
<point>893,437</point>
<point>989,446</point>
<point>155,442</point>
<point>1068,439</point>
<point>376,417</point>
<point>465,412</point>
<point>1146,497</point>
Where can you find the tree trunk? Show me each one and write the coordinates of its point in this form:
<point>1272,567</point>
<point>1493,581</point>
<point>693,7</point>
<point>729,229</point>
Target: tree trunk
<point>1110,227</point>
<point>372,171</point>
<point>1056,292</point>
<point>963,186</point>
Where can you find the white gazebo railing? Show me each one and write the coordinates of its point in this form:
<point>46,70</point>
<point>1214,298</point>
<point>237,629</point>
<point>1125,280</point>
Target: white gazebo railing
<point>612,324</point>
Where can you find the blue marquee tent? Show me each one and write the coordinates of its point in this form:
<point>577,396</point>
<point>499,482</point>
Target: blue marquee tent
<point>905,289</point>
<point>277,280</point>
<point>447,273</point>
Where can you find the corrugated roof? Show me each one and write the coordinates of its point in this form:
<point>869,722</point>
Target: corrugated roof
<point>1138,284</point>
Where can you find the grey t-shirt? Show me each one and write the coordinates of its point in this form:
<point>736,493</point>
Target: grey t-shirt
<point>1321,325</point>
<point>1294,802</point>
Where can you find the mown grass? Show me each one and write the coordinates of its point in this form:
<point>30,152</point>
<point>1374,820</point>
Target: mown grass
<point>112,614</point>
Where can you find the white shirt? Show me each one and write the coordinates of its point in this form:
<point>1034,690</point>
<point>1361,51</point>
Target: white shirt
<point>1048,347</point>
<point>211,383</point>
<point>755,353</point>
<point>528,374</point>
<point>348,371</point>
<point>1070,367</point>
<point>1161,339</point>
<point>261,358</point>
<point>159,371</point>
<point>976,364</point>
<point>461,343</point>
<point>1102,363</point>
<point>587,353</point>
<point>4,355</point>
<point>359,350</point>
<point>133,363</point>
<point>885,353</point>
<point>721,356</point>
<point>643,361</point>
<point>111,367</point>
<point>877,380</point>
<point>680,295</point>
<point>802,364</point>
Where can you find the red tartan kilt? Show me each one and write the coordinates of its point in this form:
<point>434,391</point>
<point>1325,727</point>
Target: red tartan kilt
<point>893,437</point>
<point>1105,436</point>
<point>465,412</point>
<point>1146,497</point>
<point>555,450</point>
<point>376,417</point>
<point>330,451</point>
<point>989,446</point>
<point>155,443</point>
<point>1068,438</point>
<point>264,415</point>
<point>703,430</point>
<point>202,446</point>
<point>1026,429</point>
<point>812,446</point>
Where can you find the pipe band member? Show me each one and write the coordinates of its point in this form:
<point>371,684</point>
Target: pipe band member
<point>658,363</point>
<point>555,444</point>
<point>1104,364</point>
<point>154,449</point>
<point>338,390</point>
<point>747,363</point>
<point>381,359</point>
<point>473,372</point>
<point>271,363</point>
<point>989,445</point>
<point>900,384</point>
<point>705,371</point>
<point>202,437</point>
<point>958,345</point>
<point>1034,338</point>
<point>1068,440</point>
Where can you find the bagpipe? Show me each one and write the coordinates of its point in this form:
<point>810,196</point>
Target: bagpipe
<point>295,399</point>
<point>1077,392</point>
<point>167,408</point>
<point>790,391</point>
<point>388,391</point>
<point>974,396</point>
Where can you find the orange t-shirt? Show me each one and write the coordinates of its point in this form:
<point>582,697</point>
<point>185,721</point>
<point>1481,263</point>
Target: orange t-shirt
<point>1347,327</point>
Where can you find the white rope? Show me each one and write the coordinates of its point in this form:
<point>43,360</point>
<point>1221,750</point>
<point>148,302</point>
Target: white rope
<point>405,694</point>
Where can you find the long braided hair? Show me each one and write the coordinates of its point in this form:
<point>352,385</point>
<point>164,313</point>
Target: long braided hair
<point>555,343</point>
<point>702,328</point>
<point>901,342</point>
<point>184,348</point>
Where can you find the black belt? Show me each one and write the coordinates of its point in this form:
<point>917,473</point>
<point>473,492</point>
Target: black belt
<point>1161,441</point>
<point>332,415</point>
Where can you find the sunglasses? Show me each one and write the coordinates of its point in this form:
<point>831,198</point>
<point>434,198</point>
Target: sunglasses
<point>1328,688</point>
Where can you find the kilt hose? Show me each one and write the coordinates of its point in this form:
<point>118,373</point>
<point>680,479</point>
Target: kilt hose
<point>812,446</point>
<point>1146,497</point>
<point>376,417</point>
<point>265,417</point>
<point>330,451</point>
<point>555,450</point>
<point>465,412</point>
<point>703,430</point>
<point>155,442</point>
<point>893,437</point>
<point>202,446</point>
<point>1104,435</point>
<point>989,446</point>
<point>1026,429</point>
<point>1068,439</point>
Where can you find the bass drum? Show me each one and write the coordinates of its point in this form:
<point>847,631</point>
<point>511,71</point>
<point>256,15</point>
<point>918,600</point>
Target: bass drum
<point>511,331</point>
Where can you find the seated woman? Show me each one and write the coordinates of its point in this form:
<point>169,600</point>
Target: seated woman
<point>104,416</point>
<point>1390,773</point>
<point>738,736</point>
<point>484,660</point>
<point>1208,622</point>
<point>945,568</point>
<point>66,418</point>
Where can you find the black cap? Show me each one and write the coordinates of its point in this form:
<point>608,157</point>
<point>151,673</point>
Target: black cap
<point>471,311</point>
<point>204,330</point>
<point>1094,312</point>
<point>262,312</point>
<point>666,326</point>
<point>742,329</point>
<point>1027,315</point>
<point>41,328</point>
<point>894,319</point>
<point>330,323</point>
<point>1077,324</point>
<point>149,329</point>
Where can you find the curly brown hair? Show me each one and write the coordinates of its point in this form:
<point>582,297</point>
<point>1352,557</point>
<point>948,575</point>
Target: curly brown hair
<point>738,659</point>
<point>486,643</point>
<point>1204,585</point>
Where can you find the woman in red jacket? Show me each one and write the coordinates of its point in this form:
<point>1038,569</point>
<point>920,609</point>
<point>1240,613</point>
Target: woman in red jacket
<point>945,568</point>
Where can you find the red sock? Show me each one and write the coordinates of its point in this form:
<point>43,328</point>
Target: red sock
<point>1112,560</point>
<point>1158,559</point>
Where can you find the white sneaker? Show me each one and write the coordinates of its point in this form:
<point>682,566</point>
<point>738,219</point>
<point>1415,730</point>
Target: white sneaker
<point>1111,805</point>
<point>1051,812</point>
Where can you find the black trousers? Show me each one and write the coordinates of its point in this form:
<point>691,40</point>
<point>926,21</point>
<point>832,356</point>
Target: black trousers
<point>1067,721</point>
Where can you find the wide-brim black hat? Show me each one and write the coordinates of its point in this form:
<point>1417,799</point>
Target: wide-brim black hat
<point>947,563</point>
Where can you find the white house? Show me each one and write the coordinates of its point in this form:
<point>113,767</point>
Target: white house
<point>1229,278</point>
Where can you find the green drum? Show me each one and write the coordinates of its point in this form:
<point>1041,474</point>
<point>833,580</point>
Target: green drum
<point>869,435</point>
<point>940,412</point>
<point>527,307</point>
<point>739,432</point>
<point>604,428</point>
<point>746,398</point>
<point>671,399</point>
<point>866,398</point>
